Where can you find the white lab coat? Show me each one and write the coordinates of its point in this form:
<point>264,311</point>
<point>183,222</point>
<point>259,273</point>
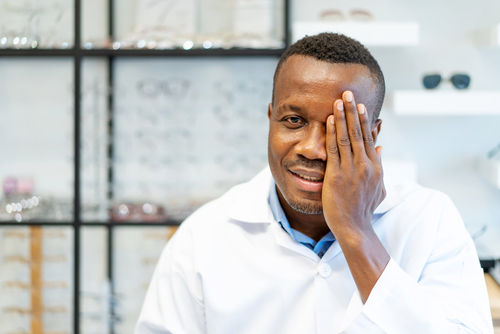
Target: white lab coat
<point>231,269</point>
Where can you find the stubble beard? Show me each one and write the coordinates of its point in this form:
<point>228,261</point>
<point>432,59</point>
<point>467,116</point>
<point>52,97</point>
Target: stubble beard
<point>303,206</point>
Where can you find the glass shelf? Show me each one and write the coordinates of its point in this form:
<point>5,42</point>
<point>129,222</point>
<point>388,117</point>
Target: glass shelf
<point>37,24</point>
<point>188,24</point>
<point>234,52</point>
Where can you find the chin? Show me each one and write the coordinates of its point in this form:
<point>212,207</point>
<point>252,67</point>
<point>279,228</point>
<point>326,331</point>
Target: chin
<point>308,207</point>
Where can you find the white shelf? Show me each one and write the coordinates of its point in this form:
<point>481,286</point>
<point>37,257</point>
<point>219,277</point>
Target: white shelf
<point>490,170</point>
<point>489,37</point>
<point>446,102</point>
<point>368,33</point>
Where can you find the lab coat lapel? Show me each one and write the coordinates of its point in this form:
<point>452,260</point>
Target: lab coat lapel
<point>252,206</point>
<point>333,251</point>
<point>283,239</point>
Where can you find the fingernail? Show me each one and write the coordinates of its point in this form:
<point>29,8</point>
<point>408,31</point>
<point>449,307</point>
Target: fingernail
<point>330,119</point>
<point>340,105</point>
<point>361,109</point>
<point>348,96</point>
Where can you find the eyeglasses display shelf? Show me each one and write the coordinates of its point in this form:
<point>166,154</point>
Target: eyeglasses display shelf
<point>370,33</point>
<point>446,102</point>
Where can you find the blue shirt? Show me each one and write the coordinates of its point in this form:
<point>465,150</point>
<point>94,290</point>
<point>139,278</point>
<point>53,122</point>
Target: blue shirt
<point>319,247</point>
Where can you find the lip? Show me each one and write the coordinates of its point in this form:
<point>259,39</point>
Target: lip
<point>309,186</point>
<point>306,172</point>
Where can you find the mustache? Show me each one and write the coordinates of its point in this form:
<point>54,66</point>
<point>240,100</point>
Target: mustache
<point>316,165</point>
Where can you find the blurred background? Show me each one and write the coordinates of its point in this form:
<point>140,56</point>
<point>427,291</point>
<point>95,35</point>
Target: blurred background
<point>119,118</point>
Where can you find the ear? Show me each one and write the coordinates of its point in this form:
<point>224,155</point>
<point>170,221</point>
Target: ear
<point>376,129</point>
<point>269,110</point>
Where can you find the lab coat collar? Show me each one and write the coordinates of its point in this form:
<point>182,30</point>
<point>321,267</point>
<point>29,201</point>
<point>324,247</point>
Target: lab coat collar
<point>392,198</point>
<point>250,201</point>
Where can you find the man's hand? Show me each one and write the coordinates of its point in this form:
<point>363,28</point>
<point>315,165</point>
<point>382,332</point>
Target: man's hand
<point>352,189</point>
<point>353,185</point>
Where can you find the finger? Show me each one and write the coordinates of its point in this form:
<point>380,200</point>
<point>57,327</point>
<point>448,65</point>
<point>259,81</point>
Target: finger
<point>343,141</point>
<point>353,125</point>
<point>332,149</point>
<point>366,125</point>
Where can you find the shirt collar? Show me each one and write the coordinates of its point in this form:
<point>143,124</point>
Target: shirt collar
<point>278,213</point>
<point>250,202</point>
<point>280,217</point>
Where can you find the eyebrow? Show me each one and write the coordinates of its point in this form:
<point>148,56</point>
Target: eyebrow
<point>291,107</point>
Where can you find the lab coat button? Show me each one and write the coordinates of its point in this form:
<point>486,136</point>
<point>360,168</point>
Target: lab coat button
<point>325,270</point>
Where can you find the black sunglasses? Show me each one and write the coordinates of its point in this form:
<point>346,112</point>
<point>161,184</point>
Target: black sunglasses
<point>460,81</point>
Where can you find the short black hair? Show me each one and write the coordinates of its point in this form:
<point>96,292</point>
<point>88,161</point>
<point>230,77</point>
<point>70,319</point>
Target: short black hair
<point>339,49</point>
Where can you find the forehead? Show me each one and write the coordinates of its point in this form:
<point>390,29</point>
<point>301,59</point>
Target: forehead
<point>309,78</point>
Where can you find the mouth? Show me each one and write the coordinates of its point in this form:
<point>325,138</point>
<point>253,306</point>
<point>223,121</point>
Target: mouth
<point>307,177</point>
<point>310,181</point>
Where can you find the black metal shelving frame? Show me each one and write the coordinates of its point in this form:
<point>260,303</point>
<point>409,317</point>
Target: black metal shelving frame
<point>77,53</point>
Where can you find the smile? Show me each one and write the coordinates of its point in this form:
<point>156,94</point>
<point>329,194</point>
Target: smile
<point>309,178</point>
<point>308,183</point>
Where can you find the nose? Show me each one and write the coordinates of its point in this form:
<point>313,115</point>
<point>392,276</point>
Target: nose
<point>312,145</point>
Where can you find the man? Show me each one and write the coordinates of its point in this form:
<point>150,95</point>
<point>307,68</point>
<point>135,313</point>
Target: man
<point>319,242</point>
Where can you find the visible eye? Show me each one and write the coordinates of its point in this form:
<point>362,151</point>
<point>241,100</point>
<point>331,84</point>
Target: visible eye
<point>294,121</point>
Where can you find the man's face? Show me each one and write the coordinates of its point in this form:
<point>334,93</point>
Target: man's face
<point>303,99</point>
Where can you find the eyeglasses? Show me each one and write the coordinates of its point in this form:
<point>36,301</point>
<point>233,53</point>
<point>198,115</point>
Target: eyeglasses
<point>337,15</point>
<point>460,81</point>
<point>176,88</point>
<point>42,27</point>
<point>137,212</point>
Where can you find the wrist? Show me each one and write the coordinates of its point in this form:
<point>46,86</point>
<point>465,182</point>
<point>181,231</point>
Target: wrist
<point>366,248</point>
<point>355,234</point>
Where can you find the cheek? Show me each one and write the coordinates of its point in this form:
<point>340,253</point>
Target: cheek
<point>274,151</point>
<point>281,144</point>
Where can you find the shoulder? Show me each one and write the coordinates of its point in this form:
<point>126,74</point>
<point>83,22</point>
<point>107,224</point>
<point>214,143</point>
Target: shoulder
<point>245,202</point>
<point>420,214</point>
<point>417,197</point>
<point>201,228</point>
<point>217,210</point>
<point>424,227</point>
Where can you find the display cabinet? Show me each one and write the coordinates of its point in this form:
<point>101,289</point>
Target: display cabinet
<point>120,118</point>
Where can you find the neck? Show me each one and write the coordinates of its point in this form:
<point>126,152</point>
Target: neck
<point>314,226</point>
